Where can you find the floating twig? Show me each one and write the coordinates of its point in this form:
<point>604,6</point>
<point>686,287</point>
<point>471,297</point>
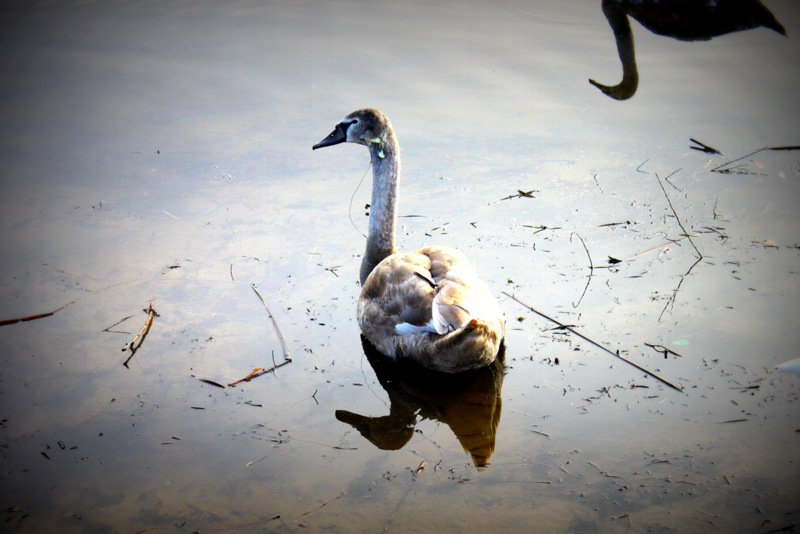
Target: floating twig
<point>591,268</point>
<point>540,228</point>
<point>211,383</point>
<point>420,468</point>
<point>388,523</point>
<point>725,168</point>
<point>595,343</point>
<point>615,223</point>
<point>687,236</point>
<point>326,503</point>
<point>258,371</point>
<point>37,316</point>
<point>664,350</point>
<point>286,355</point>
<point>519,194</point>
<point>703,147</point>
<point>108,328</point>
<point>685,232</point>
<point>151,313</point>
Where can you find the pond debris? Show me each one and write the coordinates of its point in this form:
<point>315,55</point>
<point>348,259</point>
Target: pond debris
<point>595,343</point>
<point>540,228</point>
<point>519,194</point>
<point>622,223</point>
<point>287,358</point>
<point>108,328</point>
<point>6,322</point>
<point>662,349</point>
<point>211,382</point>
<point>420,468</point>
<point>286,355</point>
<point>603,471</point>
<point>729,168</point>
<point>686,235</point>
<point>591,268</point>
<point>132,345</point>
<point>258,371</point>
<point>323,505</point>
<point>703,147</point>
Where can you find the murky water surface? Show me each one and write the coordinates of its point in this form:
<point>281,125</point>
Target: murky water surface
<point>160,152</point>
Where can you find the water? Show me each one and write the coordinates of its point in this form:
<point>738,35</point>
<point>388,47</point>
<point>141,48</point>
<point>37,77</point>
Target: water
<point>162,152</point>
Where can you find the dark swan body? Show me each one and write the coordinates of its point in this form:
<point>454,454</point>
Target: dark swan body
<point>685,20</point>
<point>427,305</point>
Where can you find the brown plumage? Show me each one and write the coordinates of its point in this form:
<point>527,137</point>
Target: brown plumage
<point>427,305</point>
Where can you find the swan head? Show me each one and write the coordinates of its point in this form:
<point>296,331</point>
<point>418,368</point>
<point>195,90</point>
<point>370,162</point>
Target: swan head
<point>368,127</point>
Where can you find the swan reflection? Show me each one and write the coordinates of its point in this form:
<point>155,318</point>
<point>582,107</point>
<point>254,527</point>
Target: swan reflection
<point>469,403</point>
<point>686,20</point>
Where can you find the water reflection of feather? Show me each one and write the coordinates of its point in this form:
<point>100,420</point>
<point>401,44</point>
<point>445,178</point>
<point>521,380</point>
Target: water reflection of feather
<point>469,403</point>
<point>687,20</point>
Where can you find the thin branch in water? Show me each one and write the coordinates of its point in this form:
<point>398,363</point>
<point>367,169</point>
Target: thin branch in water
<point>685,232</point>
<point>519,194</point>
<point>286,355</point>
<point>388,523</point>
<point>108,328</point>
<point>703,147</point>
<point>596,344</point>
<point>615,224</point>
<point>211,383</point>
<point>671,300</point>
<point>662,349</point>
<point>38,316</point>
<point>258,371</point>
<point>726,168</point>
<point>287,358</point>
<point>151,313</point>
<point>326,503</point>
<point>678,189</point>
<point>225,529</point>
<point>664,244</point>
<point>540,228</point>
<point>591,268</point>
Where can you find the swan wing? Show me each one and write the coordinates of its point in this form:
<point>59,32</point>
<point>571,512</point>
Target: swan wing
<point>430,306</point>
<point>396,299</point>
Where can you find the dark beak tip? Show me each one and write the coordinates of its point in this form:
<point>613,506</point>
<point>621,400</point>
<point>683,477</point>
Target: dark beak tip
<point>338,135</point>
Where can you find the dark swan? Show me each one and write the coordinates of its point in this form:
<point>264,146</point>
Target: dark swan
<point>686,20</point>
<point>427,305</point>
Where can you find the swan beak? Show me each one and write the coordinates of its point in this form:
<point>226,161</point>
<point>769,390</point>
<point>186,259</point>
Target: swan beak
<point>338,135</point>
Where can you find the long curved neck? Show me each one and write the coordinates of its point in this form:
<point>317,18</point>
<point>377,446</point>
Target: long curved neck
<point>618,19</point>
<point>385,160</point>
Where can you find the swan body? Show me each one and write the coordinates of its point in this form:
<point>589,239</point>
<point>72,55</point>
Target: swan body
<point>697,20</point>
<point>427,305</point>
<point>685,20</point>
